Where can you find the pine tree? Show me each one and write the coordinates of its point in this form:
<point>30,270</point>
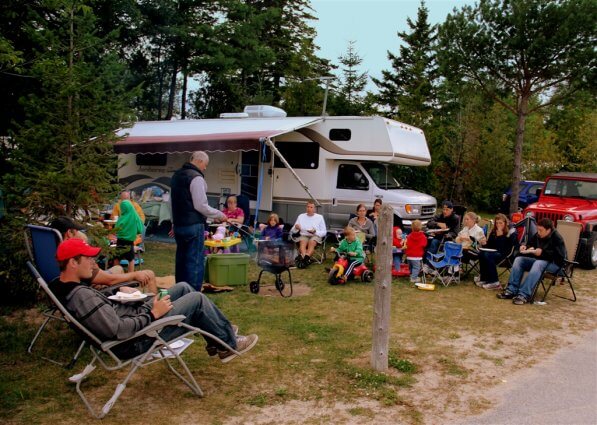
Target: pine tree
<point>407,90</point>
<point>348,97</point>
<point>62,154</point>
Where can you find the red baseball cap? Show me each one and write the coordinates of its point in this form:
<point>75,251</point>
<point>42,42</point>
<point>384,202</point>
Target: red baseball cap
<point>72,247</point>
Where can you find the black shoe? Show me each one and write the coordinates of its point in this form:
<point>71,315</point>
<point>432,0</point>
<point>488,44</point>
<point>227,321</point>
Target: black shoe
<point>520,300</point>
<point>505,295</point>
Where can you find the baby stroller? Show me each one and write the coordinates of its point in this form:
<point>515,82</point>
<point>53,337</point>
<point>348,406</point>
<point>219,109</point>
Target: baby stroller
<point>275,257</point>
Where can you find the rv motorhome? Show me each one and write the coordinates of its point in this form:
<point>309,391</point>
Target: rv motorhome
<point>280,162</point>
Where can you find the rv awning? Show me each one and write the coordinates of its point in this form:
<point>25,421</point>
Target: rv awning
<point>234,134</point>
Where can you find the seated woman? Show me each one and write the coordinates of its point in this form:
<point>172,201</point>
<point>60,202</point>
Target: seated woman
<point>499,245</point>
<point>361,223</point>
<point>373,213</point>
<point>471,233</point>
<point>234,214</point>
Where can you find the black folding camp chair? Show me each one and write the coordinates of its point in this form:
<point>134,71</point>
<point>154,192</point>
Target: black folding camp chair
<point>570,232</point>
<point>105,353</point>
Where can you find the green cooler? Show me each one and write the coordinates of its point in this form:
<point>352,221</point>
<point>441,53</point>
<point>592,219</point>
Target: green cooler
<point>227,269</point>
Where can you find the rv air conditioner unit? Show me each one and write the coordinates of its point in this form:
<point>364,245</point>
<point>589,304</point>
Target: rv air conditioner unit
<point>234,115</point>
<point>264,111</point>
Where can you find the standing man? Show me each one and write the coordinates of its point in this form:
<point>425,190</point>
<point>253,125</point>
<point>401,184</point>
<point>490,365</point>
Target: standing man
<point>189,212</point>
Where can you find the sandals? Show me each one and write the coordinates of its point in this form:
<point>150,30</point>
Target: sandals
<point>519,300</point>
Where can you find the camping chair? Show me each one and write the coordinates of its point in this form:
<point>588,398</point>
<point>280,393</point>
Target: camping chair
<point>41,244</point>
<point>105,353</point>
<point>318,256</point>
<point>570,232</point>
<point>446,264</point>
<point>470,262</point>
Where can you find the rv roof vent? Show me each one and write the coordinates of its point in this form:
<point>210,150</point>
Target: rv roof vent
<point>234,115</point>
<point>264,111</point>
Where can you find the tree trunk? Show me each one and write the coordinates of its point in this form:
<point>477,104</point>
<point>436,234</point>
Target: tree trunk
<point>183,100</point>
<point>523,106</point>
<point>172,94</point>
<point>383,290</point>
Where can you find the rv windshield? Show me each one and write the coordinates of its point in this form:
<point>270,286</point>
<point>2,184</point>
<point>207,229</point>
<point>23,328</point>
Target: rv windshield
<point>381,175</point>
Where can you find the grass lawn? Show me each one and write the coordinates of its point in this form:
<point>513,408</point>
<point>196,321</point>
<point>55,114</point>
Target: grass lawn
<point>311,364</point>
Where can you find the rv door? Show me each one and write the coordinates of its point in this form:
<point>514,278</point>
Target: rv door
<point>351,186</point>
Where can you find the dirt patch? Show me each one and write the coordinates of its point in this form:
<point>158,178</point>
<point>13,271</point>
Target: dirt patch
<point>298,290</point>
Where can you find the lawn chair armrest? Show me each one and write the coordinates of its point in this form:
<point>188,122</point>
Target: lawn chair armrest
<point>112,289</point>
<point>153,327</point>
<point>437,256</point>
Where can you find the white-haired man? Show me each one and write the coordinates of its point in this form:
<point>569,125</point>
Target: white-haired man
<point>189,212</point>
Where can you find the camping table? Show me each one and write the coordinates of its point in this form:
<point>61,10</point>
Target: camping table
<point>157,210</point>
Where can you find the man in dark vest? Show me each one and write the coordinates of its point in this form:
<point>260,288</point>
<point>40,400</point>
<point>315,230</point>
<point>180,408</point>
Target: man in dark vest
<point>189,211</point>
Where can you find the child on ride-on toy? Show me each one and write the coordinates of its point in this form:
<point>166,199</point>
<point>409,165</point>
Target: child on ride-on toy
<point>351,257</point>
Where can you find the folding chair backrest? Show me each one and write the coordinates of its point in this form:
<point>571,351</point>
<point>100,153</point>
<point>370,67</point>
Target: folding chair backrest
<point>67,316</point>
<point>245,204</point>
<point>526,229</point>
<point>452,252</point>
<point>42,243</point>
<point>570,232</point>
<point>485,225</point>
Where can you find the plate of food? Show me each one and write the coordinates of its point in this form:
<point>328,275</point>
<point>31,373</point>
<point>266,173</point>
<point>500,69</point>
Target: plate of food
<point>128,297</point>
<point>425,286</point>
<point>487,249</point>
<point>527,251</point>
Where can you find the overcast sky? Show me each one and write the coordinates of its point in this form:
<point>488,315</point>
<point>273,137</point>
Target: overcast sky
<point>373,25</point>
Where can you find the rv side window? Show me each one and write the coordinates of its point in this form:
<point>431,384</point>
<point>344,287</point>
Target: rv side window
<point>351,177</point>
<point>151,159</point>
<point>299,155</point>
<point>340,134</point>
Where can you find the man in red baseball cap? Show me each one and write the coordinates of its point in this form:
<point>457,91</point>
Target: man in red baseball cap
<point>109,319</point>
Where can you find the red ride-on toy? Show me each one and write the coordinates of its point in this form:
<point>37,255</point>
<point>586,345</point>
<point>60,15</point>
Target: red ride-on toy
<point>337,277</point>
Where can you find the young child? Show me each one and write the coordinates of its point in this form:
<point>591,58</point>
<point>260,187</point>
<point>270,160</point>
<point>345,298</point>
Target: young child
<point>416,241</point>
<point>234,214</point>
<point>352,247</point>
<point>272,231</point>
<point>128,226</point>
<point>397,242</point>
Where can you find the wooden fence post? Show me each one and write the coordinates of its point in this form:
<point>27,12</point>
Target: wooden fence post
<point>383,289</point>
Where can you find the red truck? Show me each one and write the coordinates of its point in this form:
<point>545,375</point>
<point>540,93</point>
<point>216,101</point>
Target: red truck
<point>571,197</point>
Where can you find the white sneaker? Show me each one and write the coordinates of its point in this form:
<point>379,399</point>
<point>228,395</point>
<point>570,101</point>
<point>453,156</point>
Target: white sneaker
<point>479,282</point>
<point>493,285</point>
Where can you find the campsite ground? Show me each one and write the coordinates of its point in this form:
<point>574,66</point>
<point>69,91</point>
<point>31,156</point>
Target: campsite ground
<point>449,349</point>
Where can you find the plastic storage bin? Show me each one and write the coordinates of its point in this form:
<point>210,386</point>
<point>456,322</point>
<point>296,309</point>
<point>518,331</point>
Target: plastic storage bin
<point>228,269</point>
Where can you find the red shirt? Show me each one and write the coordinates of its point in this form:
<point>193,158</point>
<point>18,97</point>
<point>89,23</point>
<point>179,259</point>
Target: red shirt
<point>415,244</point>
<point>236,213</point>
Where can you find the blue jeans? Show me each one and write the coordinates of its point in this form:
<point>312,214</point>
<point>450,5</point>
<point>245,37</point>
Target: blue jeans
<point>396,258</point>
<point>415,268</point>
<point>535,267</point>
<point>200,312</point>
<point>432,247</point>
<point>488,265</point>
<point>190,259</point>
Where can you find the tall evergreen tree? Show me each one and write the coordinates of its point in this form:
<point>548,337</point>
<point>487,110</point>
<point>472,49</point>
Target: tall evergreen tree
<point>407,90</point>
<point>517,50</point>
<point>349,96</point>
<point>63,150</point>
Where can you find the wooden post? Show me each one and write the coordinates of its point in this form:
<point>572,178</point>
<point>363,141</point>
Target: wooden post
<point>383,289</point>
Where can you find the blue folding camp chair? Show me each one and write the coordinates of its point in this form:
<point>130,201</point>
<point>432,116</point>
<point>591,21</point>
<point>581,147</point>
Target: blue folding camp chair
<point>41,244</point>
<point>446,264</point>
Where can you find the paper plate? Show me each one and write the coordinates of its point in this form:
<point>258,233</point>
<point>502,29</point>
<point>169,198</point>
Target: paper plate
<point>127,299</point>
<point>425,286</point>
<point>176,344</point>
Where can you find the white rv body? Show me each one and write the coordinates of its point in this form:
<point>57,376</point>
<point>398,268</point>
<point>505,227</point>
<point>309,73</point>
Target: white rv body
<point>336,159</point>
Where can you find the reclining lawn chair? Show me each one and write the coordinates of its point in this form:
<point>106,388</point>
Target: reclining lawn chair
<point>41,243</point>
<point>447,263</point>
<point>570,232</point>
<point>105,353</point>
